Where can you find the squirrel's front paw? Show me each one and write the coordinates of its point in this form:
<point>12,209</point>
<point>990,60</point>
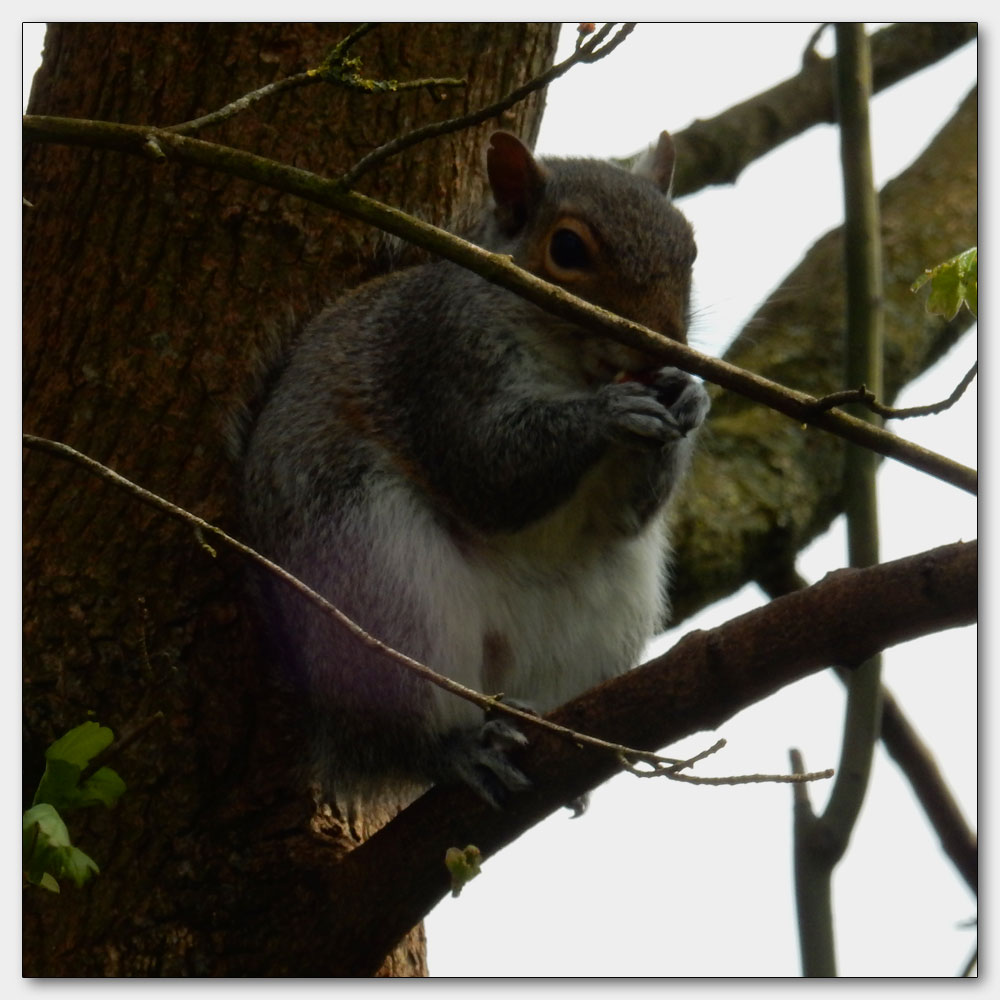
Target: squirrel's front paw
<point>479,759</point>
<point>664,410</point>
<point>635,415</point>
<point>684,399</point>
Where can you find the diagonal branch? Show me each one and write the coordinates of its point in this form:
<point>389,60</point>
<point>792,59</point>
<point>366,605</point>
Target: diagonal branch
<point>590,51</point>
<point>717,150</point>
<point>700,683</point>
<point>917,762</point>
<point>489,703</point>
<point>799,406</point>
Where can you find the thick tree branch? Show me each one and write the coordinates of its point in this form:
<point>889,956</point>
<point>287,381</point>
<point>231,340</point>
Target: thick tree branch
<point>717,150</point>
<point>706,678</point>
<point>801,407</point>
<point>760,489</point>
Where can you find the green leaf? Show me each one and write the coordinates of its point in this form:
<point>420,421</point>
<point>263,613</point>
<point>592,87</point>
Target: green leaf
<point>952,283</point>
<point>45,840</point>
<point>65,761</point>
<point>48,853</point>
<point>43,822</point>
<point>972,283</point>
<point>104,786</point>
<point>462,865</point>
<point>59,784</point>
<point>78,866</point>
<point>81,744</point>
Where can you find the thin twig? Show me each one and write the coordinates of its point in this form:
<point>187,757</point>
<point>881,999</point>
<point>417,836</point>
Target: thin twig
<point>749,779</point>
<point>201,527</point>
<point>336,68</point>
<point>863,364</point>
<point>665,766</point>
<point>674,771</point>
<point>810,54</point>
<point>902,413</point>
<point>342,47</point>
<point>588,52</point>
<point>866,397</point>
<point>130,736</point>
<point>242,103</point>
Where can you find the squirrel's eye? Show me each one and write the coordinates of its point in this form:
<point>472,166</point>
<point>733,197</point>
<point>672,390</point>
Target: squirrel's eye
<point>568,250</point>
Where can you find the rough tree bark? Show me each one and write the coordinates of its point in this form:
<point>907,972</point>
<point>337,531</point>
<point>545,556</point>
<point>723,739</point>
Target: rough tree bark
<point>150,296</point>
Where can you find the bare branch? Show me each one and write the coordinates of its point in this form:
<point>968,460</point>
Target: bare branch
<point>489,703</point>
<point>659,769</point>
<point>863,268</point>
<point>337,68</point>
<point>866,397</point>
<point>501,271</point>
<point>821,841</point>
<point>796,778</point>
<point>810,54</point>
<point>916,761</point>
<point>305,79</point>
<point>930,409</point>
<point>675,771</point>
<point>587,52</point>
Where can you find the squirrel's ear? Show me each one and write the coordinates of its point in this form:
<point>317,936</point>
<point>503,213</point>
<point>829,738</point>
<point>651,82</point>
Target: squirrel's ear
<point>515,177</point>
<point>657,163</point>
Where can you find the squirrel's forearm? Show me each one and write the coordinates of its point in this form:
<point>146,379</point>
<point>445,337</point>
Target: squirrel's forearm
<point>504,473</point>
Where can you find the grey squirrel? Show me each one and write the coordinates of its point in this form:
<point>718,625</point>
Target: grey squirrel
<point>476,482</point>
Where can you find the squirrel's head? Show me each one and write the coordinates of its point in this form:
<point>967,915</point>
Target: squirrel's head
<point>608,235</point>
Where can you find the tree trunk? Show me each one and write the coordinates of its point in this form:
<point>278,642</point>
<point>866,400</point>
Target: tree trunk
<point>153,296</point>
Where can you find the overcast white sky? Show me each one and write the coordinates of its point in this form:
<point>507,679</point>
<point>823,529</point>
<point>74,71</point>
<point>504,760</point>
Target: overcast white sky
<point>673,880</point>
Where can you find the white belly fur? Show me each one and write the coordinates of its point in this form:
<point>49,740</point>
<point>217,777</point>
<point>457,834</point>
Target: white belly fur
<point>568,607</point>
